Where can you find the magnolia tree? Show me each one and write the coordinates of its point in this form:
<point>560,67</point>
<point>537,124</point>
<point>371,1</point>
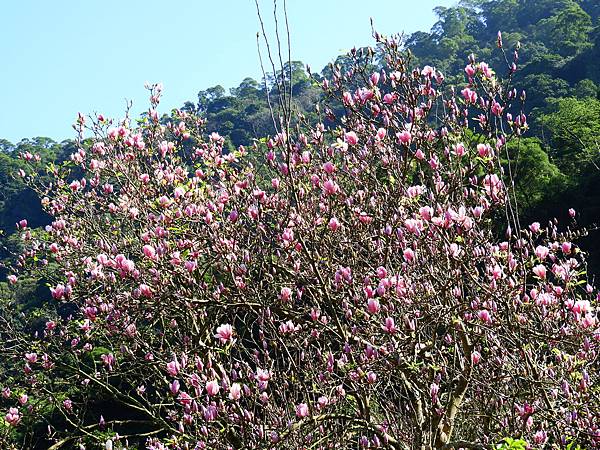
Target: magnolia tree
<point>349,292</point>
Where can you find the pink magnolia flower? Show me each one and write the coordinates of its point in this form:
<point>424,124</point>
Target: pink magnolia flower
<point>497,272</point>
<point>285,294</point>
<point>454,250</point>
<point>388,99</point>
<point>12,279</point>
<point>485,69</point>
<point>475,357</point>
<point>365,218</point>
<point>415,191</point>
<point>434,390</point>
<point>347,99</point>
<point>179,192</point>
<point>185,399</point>
<point>302,410</point>
<point>581,307</point>
<point>190,265</point>
<point>23,399</point>
<point>58,292</point>
<point>496,108</point>
<point>493,186</point>
<point>470,70</point>
<point>409,255</point>
<point>469,95</point>
<point>588,321</point>
<point>371,377</point>
<point>149,251</point>
<point>389,326</point>
<point>484,316</point>
<point>13,417</point>
<point>329,167</point>
<point>540,437</point>
<point>535,227</point>
<point>540,271</point>
<point>459,149</point>
<point>263,374</point>
<point>484,150</point>
<point>330,187</point>
<point>373,305</point>
<point>375,78</point>
<point>287,236</point>
<point>404,137</point>
<point>164,201</point>
<point>210,413</point>
<point>224,333</point>
<point>47,362</point>
<point>428,71</point>
<point>351,138</point>
<point>108,360</point>
<point>414,225</point>
<point>434,162</point>
<point>288,327</point>
<point>212,388</point>
<point>322,401</point>
<point>173,368</point>
<point>426,212</point>
<point>542,252</point>
<point>364,94</point>
<point>334,224</point>
<point>145,290</point>
<point>235,391</point>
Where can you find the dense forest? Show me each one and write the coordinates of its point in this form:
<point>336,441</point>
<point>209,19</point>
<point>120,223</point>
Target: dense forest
<point>549,51</point>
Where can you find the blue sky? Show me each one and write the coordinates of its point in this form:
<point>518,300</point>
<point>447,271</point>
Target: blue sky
<point>60,57</point>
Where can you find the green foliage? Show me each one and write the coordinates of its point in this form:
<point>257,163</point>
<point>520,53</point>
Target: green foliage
<point>244,114</point>
<point>566,32</point>
<point>537,180</point>
<point>512,444</point>
<point>573,446</point>
<point>573,127</point>
<point>16,200</point>
<point>585,89</point>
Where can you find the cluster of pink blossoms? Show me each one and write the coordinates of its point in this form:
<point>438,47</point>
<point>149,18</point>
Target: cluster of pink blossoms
<point>350,290</point>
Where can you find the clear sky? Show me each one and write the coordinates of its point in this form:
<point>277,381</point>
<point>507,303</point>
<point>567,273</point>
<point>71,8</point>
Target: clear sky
<point>60,57</point>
